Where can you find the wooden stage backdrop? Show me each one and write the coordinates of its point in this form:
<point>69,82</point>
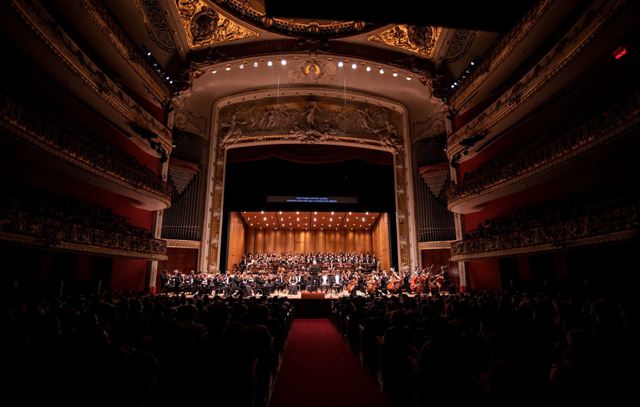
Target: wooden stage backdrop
<point>243,239</point>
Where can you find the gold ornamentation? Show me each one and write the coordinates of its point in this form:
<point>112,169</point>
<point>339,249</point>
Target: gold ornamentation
<point>204,26</point>
<point>254,12</point>
<point>420,40</point>
<point>310,120</point>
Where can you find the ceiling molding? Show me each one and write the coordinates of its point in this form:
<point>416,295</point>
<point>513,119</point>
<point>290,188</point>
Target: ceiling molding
<point>226,53</point>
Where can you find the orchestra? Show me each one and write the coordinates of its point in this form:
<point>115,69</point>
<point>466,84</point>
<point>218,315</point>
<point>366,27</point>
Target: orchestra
<point>331,273</point>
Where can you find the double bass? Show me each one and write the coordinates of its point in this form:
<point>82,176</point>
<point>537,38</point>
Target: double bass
<point>353,283</point>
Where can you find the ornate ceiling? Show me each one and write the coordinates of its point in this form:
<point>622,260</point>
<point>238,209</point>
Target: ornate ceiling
<point>213,49</point>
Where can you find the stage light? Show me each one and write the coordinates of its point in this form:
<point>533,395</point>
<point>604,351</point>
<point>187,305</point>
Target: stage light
<point>214,71</point>
<point>340,64</point>
<point>354,65</point>
<point>262,212</point>
<point>381,71</point>
<point>368,69</point>
<point>241,66</point>
<point>349,213</point>
<point>472,63</point>
<point>280,212</point>
<point>366,213</point>
<point>315,213</point>
<point>228,68</point>
<point>395,74</point>
<point>408,78</point>
<point>283,62</point>
<point>269,63</point>
<point>149,53</point>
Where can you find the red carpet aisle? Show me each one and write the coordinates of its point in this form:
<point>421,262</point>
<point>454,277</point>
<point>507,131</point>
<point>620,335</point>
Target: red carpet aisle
<point>319,370</point>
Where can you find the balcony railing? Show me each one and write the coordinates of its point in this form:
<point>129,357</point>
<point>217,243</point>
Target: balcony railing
<point>529,234</point>
<point>52,132</point>
<point>530,160</point>
<point>36,220</point>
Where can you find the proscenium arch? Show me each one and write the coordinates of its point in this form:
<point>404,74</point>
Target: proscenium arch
<point>308,116</point>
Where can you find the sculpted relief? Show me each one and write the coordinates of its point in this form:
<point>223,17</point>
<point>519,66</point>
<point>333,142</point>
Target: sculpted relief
<point>306,119</point>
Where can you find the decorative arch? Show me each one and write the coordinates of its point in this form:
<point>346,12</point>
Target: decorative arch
<point>308,116</point>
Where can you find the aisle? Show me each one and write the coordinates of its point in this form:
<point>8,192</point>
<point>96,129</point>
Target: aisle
<point>319,370</point>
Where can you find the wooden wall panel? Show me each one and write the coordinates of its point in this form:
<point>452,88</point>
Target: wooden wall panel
<point>380,241</point>
<point>320,244</point>
<point>259,241</point>
<point>299,241</point>
<point>302,241</point>
<point>280,239</point>
<point>330,242</point>
<point>290,241</point>
<point>237,240</point>
<point>270,240</point>
<point>250,241</point>
<point>183,260</point>
<point>350,241</point>
<point>340,240</point>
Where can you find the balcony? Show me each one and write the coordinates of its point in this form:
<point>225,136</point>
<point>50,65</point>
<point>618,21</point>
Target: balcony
<point>532,165</point>
<point>87,158</point>
<point>546,231</point>
<point>36,220</point>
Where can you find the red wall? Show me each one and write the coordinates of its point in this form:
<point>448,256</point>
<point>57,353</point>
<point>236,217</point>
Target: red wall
<point>484,275</point>
<point>129,274</point>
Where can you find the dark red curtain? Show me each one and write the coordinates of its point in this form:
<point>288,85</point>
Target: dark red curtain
<point>309,154</point>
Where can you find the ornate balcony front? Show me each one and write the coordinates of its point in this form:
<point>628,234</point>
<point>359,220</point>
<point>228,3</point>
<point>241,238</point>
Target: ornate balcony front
<point>529,166</point>
<point>70,226</point>
<point>91,161</point>
<point>511,237</point>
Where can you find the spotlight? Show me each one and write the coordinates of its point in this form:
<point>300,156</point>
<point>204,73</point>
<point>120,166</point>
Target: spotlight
<point>283,62</point>
<point>255,64</point>
<point>149,53</point>
<point>381,71</point>
<point>269,63</point>
<point>171,81</point>
<point>408,78</point>
<point>228,68</point>
<point>214,71</point>
<point>395,74</point>
<point>241,66</point>
<point>368,69</point>
<point>472,63</point>
<point>340,64</point>
<point>354,65</point>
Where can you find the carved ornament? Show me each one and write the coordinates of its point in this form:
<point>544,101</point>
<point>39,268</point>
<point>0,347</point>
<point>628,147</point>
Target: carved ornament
<point>203,26</point>
<point>310,120</point>
<point>250,12</point>
<point>419,40</point>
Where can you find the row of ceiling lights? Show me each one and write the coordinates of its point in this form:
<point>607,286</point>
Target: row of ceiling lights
<point>341,64</point>
<point>156,65</point>
<point>353,223</point>
<point>464,75</point>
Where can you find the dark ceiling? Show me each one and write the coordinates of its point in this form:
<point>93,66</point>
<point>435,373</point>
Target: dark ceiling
<point>483,15</point>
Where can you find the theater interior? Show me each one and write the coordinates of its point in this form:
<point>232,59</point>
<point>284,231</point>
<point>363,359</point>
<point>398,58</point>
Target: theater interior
<point>268,203</point>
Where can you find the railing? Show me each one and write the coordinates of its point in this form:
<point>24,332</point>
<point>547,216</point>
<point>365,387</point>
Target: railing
<point>53,132</point>
<point>54,224</point>
<point>532,157</point>
<point>513,233</point>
